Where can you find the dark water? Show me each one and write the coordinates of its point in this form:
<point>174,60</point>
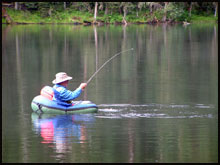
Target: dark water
<point>158,103</point>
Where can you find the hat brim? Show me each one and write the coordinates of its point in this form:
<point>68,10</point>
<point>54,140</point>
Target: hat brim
<point>57,82</point>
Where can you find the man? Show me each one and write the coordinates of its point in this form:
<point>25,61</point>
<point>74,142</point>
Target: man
<point>61,94</point>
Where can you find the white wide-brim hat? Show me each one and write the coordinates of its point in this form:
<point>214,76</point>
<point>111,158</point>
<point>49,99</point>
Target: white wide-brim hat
<point>61,77</point>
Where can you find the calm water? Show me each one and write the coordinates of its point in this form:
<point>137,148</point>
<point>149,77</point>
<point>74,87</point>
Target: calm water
<point>158,103</point>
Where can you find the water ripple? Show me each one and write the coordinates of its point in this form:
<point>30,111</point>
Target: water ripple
<point>152,110</point>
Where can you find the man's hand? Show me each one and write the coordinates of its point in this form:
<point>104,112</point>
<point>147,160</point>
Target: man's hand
<point>83,85</point>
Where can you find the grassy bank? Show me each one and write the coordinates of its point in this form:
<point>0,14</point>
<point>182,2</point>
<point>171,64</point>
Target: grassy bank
<point>203,19</point>
<point>77,17</point>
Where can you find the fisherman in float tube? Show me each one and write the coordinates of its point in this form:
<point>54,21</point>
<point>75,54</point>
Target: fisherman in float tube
<point>61,93</point>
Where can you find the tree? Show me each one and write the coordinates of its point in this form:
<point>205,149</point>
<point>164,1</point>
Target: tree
<point>125,6</point>
<point>191,4</point>
<point>95,13</point>
<point>16,5</point>
<point>82,6</point>
<point>190,8</point>
<point>216,7</point>
<point>153,5</point>
<point>87,4</point>
<point>165,11</point>
<point>106,8</point>
<point>139,6</point>
<point>6,16</point>
<point>64,5</point>
<point>113,6</point>
<point>101,6</point>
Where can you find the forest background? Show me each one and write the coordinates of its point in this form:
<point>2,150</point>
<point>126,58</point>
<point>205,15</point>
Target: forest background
<point>109,12</point>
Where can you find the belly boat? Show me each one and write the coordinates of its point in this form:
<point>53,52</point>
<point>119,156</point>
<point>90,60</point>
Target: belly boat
<point>44,104</point>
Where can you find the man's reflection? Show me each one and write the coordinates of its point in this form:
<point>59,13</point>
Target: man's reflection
<point>62,129</point>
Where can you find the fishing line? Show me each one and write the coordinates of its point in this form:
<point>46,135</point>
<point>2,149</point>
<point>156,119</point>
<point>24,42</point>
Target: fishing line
<point>105,64</point>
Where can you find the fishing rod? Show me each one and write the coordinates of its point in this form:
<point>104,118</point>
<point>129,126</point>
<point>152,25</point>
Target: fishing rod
<point>105,64</point>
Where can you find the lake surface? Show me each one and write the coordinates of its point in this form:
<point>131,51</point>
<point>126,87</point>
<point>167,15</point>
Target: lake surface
<point>158,103</point>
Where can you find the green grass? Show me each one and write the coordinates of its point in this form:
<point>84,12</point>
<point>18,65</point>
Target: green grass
<point>201,19</point>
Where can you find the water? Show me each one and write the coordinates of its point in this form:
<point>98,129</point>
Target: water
<point>158,103</point>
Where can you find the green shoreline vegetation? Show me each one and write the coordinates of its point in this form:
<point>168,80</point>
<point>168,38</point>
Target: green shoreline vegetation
<point>109,12</point>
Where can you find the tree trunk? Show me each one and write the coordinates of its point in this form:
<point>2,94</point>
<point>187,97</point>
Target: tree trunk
<point>7,17</point>
<point>64,5</point>
<point>89,8</point>
<point>106,8</point>
<point>190,9</point>
<point>119,10</point>
<point>95,13</point>
<point>16,5</point>
<point>125,13</point>
<point>50,11</point>
<point>165,12</point>
<point>216,8</point>
<point>151,8</point>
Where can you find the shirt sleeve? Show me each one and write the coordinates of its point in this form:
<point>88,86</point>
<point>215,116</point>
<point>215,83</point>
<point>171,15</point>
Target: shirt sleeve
<point>67,95</point>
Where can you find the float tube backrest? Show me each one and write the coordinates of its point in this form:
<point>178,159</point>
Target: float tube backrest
<point>47,92</point>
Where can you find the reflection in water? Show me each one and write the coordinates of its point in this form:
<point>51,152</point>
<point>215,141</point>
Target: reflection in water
<point>62,130</point>
<point>131,139</point>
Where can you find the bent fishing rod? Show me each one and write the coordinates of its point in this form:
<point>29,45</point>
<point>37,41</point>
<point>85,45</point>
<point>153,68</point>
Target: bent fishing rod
<point>105,64</point>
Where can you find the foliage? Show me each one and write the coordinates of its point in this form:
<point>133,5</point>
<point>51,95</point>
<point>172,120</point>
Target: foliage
<point>111,12</point>
<point>175,13</point>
